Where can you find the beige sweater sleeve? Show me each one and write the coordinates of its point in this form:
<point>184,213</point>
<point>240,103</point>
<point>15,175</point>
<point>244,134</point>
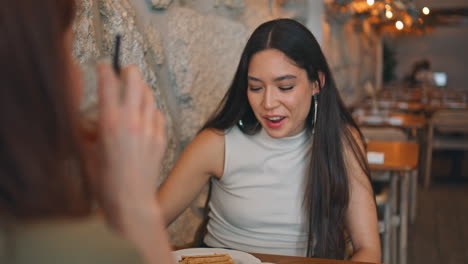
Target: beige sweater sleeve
<point>83,241</point>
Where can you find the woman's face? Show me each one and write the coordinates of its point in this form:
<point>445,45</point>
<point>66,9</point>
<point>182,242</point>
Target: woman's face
<point>279,92</point>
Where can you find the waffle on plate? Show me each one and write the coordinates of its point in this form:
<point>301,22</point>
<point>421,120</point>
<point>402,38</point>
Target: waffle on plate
<point>207,259</point>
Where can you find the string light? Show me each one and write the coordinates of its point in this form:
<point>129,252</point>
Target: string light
<point>383,13</point>
<point>425,10</point>
<point>388,14</point>
<point>399,25</point>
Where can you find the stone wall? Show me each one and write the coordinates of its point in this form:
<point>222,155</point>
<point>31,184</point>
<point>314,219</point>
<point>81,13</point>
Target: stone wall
<point>188,51</point>
<point>354,53</point>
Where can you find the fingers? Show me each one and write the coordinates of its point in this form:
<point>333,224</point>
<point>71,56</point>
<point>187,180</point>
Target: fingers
<point>136,103</point>
<point>159,129</point>
<point>133,90</point>
<point>108,91</point>
<point>147,109</point>
<point>131,140</point>
<point>154,121</point>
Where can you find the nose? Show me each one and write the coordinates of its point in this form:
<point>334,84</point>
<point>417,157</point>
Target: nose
<point>270,100</point>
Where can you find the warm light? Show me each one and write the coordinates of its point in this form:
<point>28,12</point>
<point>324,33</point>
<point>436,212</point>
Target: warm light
<point>388,14</point>
<point>370,2</point>
<point>425,10</point>
<point>399,25</point>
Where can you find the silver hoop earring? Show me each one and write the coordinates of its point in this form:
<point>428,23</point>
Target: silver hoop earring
<point>257,125</point>
<point>242,124</point>
<point>315,112</point>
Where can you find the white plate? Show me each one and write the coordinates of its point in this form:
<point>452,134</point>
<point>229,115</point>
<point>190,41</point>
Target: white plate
<point>239,257</point>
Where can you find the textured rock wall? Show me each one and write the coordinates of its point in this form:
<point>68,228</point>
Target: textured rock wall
<point>95,37</point>
<point>352,50</point>
<point>160,4</point>
<point>200,68</point>
<point>86,48</point>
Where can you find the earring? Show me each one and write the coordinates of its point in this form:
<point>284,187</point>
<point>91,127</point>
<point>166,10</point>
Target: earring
<point>315,112</point>
<point>257,125</point>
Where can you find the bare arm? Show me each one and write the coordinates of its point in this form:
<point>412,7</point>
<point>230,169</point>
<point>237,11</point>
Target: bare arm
<point>203,158</point>
<point>143,225</point>
<point>361,217</point>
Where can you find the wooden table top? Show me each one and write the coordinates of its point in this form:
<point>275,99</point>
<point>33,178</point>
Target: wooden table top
<point>404,120</point>
<point>398,156</point>
<point>279,259</point>
<point>399,105</point>
<point>409,95</point>
<point>411,120</point>
<point>433,107</point>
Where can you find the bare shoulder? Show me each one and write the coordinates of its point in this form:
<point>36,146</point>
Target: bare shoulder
<point>356,136</point>
<point>210,135</point>
<point>209,141</point>
<point>208,149</point>
<point>355,158</point>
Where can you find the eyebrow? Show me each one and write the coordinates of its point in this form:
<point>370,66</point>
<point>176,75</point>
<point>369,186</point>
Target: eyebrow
<point>277,79</point>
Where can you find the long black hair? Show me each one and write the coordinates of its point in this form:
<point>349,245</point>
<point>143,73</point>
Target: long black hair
<point>326,194</point>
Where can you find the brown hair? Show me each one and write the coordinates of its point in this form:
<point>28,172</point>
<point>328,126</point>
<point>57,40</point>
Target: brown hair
<point>36,133</point>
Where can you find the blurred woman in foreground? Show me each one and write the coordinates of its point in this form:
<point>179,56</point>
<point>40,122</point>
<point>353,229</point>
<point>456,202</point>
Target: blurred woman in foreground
<point>51,173</point>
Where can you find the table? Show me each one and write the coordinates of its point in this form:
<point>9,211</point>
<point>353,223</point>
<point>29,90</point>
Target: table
<point>432,107</point>
<point>397,105</point>
<point>279,259</point>
<point>413,94</point>
<point>401,158</point>
<point>403,120</point>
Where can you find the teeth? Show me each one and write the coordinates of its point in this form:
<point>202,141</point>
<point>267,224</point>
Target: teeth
<point>276,118</point>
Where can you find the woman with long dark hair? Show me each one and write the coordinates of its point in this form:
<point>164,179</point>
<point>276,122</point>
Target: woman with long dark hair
<point>52,173</point>
<point>287,161</point>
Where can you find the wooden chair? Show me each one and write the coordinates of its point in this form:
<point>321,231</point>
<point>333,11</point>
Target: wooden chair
<point>448,129</point>
<point>383,134</point>
<point>386,204</point>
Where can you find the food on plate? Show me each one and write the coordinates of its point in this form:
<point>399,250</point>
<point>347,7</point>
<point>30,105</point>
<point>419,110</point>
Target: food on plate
<point>205,259</point>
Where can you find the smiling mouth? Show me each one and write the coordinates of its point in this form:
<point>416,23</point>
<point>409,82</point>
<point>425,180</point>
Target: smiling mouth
<point>275,119</point>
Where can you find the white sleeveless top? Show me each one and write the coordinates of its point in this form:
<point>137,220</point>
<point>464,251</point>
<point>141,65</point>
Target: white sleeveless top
<point>257,204</point>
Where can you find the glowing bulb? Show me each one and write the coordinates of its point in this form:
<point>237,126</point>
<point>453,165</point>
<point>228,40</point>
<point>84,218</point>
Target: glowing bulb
<point>399,25</point>
<point>425,10</point>
<point>388,14</point>
<point>370,2</point>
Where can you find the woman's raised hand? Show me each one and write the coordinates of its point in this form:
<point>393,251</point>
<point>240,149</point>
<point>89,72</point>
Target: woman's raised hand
<point>131,138</point>
<point>125,158</point>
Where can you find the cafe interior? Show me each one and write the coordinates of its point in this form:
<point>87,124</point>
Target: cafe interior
<point>400,67</point>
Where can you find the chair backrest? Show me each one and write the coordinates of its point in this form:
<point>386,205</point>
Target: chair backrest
<point>384,134</point>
